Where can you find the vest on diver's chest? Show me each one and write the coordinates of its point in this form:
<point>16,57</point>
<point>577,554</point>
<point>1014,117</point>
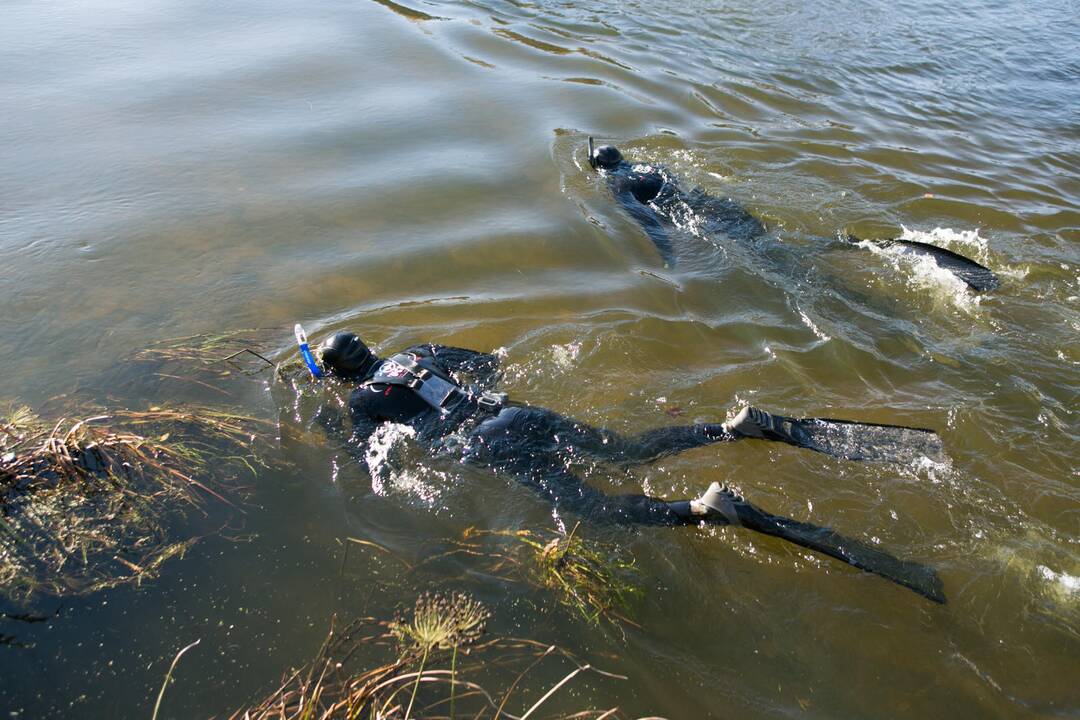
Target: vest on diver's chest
<point>429,383</point>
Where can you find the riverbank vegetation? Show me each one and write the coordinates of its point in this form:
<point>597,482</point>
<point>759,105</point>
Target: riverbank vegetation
<point>88,500</point>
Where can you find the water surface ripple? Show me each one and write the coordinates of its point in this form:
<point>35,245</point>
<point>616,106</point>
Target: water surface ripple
<point>416,171</point>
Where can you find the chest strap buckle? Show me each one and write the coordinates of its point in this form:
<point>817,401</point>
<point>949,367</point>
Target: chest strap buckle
<point>490,401</point>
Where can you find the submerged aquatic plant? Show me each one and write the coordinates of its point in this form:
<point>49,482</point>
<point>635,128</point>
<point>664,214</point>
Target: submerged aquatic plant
<point>208,360</point>
<point>222,353</point>
<point>84,501</point>
<point>594,579</point>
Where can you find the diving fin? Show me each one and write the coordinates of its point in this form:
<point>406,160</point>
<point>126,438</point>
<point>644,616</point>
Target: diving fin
<point>867,442</point>
<point>978,277</point>
<point>731,509</point>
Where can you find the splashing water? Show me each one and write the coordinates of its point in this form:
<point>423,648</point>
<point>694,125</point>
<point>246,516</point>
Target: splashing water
<point>923,272</point>
<point>966,242</point>
<point>389,472</point>
<point>1063,586</point>
<point>565,355</point>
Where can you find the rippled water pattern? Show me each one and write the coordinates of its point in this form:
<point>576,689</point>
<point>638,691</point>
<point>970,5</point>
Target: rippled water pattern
<point>417,171</point>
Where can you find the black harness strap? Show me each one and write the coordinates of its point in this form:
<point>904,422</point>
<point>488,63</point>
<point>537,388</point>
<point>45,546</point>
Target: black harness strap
<point>438,391</point>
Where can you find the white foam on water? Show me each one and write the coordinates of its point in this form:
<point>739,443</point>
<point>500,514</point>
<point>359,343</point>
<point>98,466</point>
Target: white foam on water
<point>1062,585</point>
<point>565,355</point>
<point>936,471</point>
<point>382,443</point>
<point>813,328</point>
<point>1055,593</point>
<point>966,242</point>
<point>684,218</point>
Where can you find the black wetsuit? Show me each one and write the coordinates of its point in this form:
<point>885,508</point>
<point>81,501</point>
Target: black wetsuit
<point>538,447</point>
<point>653,198</point>
<point>534,445</point>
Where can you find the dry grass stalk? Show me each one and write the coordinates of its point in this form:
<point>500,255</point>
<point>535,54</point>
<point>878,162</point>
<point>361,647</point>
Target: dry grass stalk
<point>328,688</point>
<point>84,502</point>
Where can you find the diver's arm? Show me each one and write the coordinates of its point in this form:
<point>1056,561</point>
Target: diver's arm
<point>352,440</point>
<point>650,222</point>
<point>356,444</point>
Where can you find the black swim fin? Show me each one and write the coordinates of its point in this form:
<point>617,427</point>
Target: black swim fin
<point>729,508</point>
<point>867,442</point>
<point>978,277</point>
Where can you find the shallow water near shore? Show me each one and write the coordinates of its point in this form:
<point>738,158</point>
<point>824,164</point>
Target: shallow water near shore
<point>416,171</point>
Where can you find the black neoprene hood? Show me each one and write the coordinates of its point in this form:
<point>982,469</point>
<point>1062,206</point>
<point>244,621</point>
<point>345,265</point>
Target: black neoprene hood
<point>607,157</point>
<point>345,355</point>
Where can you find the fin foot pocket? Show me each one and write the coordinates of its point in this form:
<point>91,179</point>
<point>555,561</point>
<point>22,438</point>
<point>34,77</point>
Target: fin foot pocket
<point>755,423</point>
<point>720,504</point>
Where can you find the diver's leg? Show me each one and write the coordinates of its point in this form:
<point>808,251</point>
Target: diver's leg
<point>507,444</point>
<point>645,447</point>
<point>531,445</point>
<point>659,442</point>
<point>538,430</point>
<point>726,507</point>
<point>844,439</point>
<point>569,493</point>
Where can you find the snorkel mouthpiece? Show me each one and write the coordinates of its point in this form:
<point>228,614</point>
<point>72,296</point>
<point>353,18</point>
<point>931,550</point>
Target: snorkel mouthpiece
<point>305,351</point>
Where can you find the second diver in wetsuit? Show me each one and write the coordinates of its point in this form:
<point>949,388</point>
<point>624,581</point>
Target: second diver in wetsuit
<point>425,387</point>
<point>652,196</point>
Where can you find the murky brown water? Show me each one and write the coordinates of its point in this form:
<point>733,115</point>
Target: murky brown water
<point>171,168</point>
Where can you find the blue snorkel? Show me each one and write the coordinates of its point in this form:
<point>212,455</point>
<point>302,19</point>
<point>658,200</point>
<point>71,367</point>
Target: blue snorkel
<point>305,352</point>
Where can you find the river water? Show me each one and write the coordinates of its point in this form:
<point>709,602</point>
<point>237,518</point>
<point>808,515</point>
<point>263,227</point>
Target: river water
<point>417,173</point>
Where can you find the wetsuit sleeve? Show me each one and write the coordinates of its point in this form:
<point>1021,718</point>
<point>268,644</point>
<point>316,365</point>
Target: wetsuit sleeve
<point>634,191</point>
<point>363,428</point>
<point>482,367</point>
<point>364,425</point>
<point>350,437</point>
<point>649,221</point>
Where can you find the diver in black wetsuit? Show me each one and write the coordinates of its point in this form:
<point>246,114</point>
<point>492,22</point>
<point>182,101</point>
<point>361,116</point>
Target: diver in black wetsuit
<point>424,387</point>
<point>654,199</point>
